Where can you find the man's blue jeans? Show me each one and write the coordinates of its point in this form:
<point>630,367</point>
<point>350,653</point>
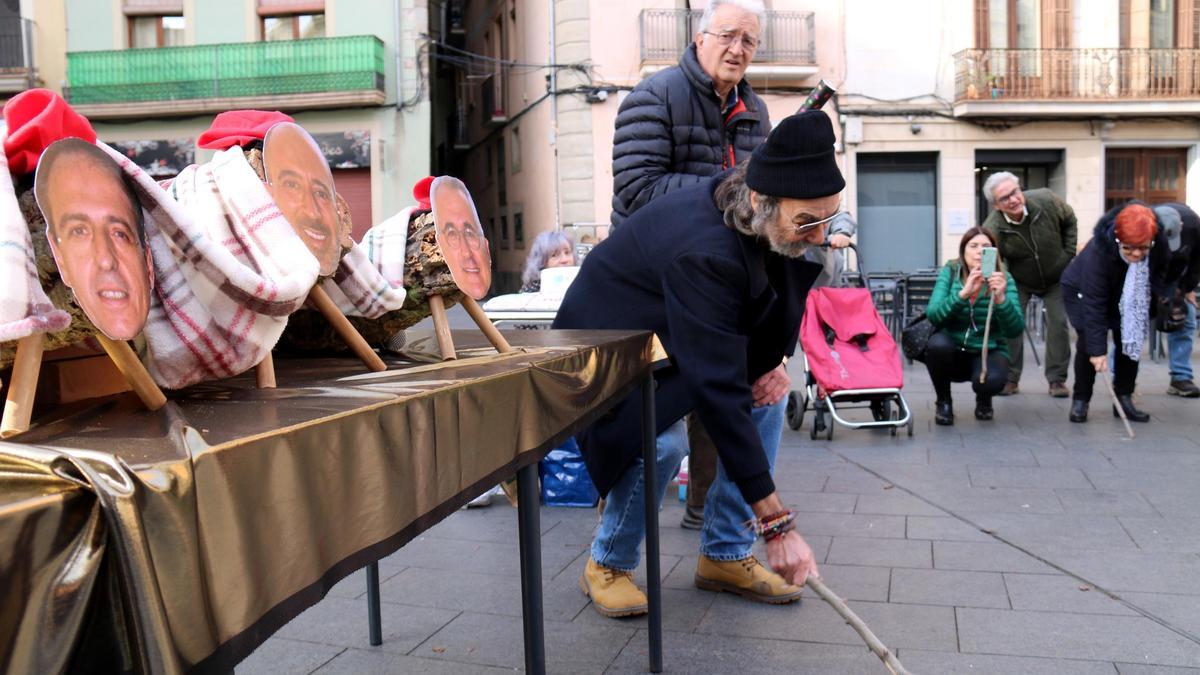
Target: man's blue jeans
<point>726,534</point>
<point>1179,346</point>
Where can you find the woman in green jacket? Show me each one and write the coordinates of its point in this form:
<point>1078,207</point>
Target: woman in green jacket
<point>958,309</point>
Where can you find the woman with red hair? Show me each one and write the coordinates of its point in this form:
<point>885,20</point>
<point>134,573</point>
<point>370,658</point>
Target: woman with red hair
<point>1109,287</point>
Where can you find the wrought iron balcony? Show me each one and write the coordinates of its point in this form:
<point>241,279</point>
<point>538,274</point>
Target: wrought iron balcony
<point>787,39</point>
<point>16,55</point>
<point>297,74</point>
<point>1084,80</point>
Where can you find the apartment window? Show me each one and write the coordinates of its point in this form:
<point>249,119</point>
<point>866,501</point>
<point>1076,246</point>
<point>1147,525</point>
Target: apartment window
<point>156,30</point>
<point>519,230</point>
<point>504,231</point>
<point>515,144</point>
<point>501,178</point>
<point>291,19</point>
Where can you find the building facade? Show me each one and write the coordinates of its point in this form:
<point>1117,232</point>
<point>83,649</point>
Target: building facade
<point>152,74</point>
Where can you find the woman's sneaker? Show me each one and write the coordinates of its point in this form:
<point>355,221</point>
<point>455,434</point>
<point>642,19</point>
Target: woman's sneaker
<point>1184,388</point>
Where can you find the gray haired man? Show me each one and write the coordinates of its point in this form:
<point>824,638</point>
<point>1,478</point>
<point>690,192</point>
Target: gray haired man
<point>1036,232</point>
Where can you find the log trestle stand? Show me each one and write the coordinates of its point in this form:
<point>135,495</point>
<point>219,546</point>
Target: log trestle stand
<point>529,517</point>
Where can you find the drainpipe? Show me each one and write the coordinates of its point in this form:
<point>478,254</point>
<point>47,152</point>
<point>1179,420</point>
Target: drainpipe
<point>396,46</point>
<point>553,84</point>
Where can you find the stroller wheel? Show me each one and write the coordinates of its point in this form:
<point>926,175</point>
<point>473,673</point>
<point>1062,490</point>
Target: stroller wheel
<point>829,432</point>
<point>910,427</point>
<point>881,410</point>
<point>816,423</point>
<point>795,410</point>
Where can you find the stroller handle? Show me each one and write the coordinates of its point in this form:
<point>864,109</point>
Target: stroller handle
<point>861,269</point>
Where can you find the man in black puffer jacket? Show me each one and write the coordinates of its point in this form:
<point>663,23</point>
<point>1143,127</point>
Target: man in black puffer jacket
<point>693,120</point>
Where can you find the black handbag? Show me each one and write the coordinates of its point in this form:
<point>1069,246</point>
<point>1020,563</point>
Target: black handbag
<point>915,337</point>
<point>1170,314</point>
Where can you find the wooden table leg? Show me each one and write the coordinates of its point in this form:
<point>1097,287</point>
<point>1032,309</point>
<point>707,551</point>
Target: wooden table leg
<point>18,407</point>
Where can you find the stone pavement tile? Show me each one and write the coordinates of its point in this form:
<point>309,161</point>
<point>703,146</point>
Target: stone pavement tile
<point>880,552</point>
<point>943,528</point>
<point>1181,611</point>
<point>682,611</point>
<point>801,479</point>
<point>968,501</point>
<point>281,655</point>
<point>580,534</point>
<point>1028,477</point>
<point>496,523</point>
<point>819,502</point>
<point>1059,592</point>
<point>1164,534</point>
<point>990,455</point>
<point>984,557</point>
<point>498,641</point>
<point>1073,636</point>
<point>948,587</point>
<point>896,625</point>
<point>492,594</point>
<point>854,480</point>
<point>1141,669</point>
<point>1158,461</point>
<point>459,555</point>
<point>1174,500</point>
<point>1080,458</point>
<point>359,661</point>
<point>895,502</point>
<point>857,582</point>
<point>1138,571</point>
<point>948,663</point>
<point>850,524</point>
<point>905,453</point>
<point>1105,502</point>
<point>922,479</point>
<point>1140,480</point>
<point>684,653</point>
<point>1037,531</point>
<point>341,622</point>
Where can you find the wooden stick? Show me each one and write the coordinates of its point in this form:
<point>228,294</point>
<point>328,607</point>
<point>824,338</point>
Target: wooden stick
<point>441,327</point>
<point>324,304</point>
<point>987,329</point>
<point>18,407</point>
<point>1116,404</point>
<point>889,659</point>
<point>135,373</point>
<point>264,373</point>
<point>485,324</point>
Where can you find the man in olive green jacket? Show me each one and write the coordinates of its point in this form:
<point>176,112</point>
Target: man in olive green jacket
<point>1036,231</point>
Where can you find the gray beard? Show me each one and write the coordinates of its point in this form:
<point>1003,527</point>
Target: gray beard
<point>764,225</point>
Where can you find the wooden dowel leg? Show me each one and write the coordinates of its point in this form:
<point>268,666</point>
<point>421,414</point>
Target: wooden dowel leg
<point>135,373</point>
<point>18,407</point>
<point>325,304</point>
<point>489,329</point>
<point>441,327</point>
<point>264,373</point>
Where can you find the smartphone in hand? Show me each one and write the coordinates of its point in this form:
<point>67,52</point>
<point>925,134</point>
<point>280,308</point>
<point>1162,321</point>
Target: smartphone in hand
<point>988,262</point>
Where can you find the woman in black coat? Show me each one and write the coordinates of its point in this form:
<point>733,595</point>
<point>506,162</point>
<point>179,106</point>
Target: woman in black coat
<point>1110,286</point>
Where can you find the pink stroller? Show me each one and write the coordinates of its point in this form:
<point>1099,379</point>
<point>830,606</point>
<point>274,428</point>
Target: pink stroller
<point>850,358</point>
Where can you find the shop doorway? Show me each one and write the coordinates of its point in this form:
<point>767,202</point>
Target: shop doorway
<point>1152,175</point>
<point>897,210</point>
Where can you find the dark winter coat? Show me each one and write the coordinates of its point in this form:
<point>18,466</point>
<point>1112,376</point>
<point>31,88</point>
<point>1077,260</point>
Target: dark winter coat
<point>670,133</point>
<point>1038,249</point>
<point>726,309</point>
<point>1093,282</point>
<point>1183,269</point>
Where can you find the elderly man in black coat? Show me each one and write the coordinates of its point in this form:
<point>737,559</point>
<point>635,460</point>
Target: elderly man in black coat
<point>716,271</point>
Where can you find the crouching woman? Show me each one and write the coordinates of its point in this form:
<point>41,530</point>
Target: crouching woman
<point>958,309</point>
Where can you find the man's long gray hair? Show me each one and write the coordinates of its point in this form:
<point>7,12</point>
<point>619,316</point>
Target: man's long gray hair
<point>733,199</point>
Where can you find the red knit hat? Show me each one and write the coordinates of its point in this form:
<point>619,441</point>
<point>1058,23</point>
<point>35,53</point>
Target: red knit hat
<point>421,193</point>
<point>36,118</point>
<point>240,127</point>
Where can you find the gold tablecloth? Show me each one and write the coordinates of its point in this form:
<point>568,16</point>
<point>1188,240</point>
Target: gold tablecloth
<point>179,540</point>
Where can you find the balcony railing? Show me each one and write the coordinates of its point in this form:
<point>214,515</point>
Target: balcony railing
<point>788,37</point>
<point>221,71</point>
<point>1076,74</point>
<point>16,54</point>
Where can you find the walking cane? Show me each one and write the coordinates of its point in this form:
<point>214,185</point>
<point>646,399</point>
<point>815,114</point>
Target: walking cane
<point>987,329</point>
<point>889,659</point>
<point>1117,404</point>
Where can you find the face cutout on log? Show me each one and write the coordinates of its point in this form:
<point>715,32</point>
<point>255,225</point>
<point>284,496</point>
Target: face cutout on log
<point>460,236</point>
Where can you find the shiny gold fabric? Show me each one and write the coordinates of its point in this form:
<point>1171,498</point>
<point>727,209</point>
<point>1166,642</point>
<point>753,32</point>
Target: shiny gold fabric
<point>232,509</point>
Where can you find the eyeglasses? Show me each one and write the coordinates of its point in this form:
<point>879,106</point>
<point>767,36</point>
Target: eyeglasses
<point>455,237</point>
<point>726,39</point>
<point>801,228</point>
<point>1015,193</point>
<point>1126,248</point>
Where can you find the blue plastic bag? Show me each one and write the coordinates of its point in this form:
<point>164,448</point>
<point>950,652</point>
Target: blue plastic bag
<point>565,480</point>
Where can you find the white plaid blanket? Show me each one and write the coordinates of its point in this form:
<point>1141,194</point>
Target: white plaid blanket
<point>228,269</point>
<point>24,307</point>
<point>369,281</point>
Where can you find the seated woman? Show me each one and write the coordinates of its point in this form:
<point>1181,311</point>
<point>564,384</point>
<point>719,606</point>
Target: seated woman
<point>550,249</point>
<point>1108,287</point>
<point>958,308</point>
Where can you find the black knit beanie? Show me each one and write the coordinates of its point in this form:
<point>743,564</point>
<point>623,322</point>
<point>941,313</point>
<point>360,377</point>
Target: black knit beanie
<point>797,160</point>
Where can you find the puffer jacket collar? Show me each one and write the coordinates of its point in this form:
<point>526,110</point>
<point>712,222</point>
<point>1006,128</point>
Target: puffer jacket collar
<point>689,63</point>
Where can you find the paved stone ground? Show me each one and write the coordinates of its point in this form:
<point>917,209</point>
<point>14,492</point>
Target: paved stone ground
<point>1022,545</point>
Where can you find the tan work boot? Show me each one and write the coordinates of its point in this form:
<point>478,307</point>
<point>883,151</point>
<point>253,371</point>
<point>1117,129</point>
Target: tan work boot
<point>748,578</point>
<point>612,591</point>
